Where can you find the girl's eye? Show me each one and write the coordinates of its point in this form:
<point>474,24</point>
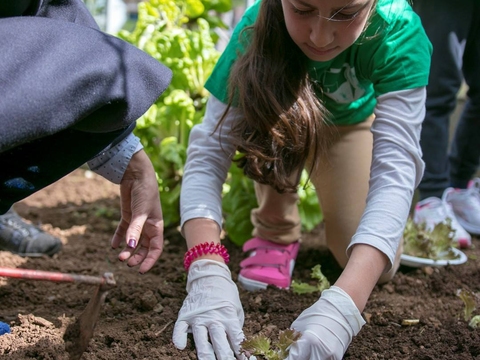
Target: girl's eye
<point>344,17</point>
<point>302,12</point>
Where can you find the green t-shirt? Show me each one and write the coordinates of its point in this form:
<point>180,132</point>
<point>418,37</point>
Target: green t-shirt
<point>393,54</point>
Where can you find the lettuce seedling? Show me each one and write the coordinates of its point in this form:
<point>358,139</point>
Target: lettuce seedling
<point>469,299</point>
<point>436,244</point>
<point>262,348</point>
<point>474,322</point>
<point>304,288</point>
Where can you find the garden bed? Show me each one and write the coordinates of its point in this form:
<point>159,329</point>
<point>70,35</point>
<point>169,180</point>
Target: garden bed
<point>137,319</point>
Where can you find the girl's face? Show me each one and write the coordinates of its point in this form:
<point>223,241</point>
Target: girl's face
<point>322,29</point>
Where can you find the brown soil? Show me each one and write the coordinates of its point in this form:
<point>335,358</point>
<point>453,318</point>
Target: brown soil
<point>137,319</point>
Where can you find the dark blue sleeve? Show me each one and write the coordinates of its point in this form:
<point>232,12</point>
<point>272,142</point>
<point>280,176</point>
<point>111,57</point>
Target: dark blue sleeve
<point>56,74</point>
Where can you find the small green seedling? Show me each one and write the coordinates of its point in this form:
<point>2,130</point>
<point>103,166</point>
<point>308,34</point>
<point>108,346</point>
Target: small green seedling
<point>105,212</point>
<point>474,322</point>
<point>262,348</point>
<point>470,300</point>
<point>304,288</point>
<point>436,244</point>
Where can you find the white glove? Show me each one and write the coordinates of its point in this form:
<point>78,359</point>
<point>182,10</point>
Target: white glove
<point>211,310</point>
<point>327,327</point>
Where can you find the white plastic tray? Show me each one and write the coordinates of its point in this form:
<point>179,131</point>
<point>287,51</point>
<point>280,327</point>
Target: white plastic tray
<point>414,261</point>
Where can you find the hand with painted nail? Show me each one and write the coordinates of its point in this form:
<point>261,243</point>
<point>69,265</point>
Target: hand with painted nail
<point>141,226</point>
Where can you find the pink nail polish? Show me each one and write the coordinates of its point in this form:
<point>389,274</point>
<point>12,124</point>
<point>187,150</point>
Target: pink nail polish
<point>132,243</point>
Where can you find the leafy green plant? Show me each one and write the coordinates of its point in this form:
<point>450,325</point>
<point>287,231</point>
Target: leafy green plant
<point>436,244</point>
<point>322,283</point>
<point>238,201</point>
<point>262,347</point>
<point>310,212</point>
<point>470,300</point>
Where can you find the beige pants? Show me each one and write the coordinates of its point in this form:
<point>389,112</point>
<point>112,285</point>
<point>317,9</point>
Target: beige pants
<point>341,182</point>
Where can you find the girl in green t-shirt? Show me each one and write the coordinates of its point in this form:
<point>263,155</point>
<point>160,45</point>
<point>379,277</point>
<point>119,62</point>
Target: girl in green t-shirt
<point>336,87</point>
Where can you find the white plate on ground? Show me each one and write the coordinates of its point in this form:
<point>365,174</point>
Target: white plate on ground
<point>414,261</point>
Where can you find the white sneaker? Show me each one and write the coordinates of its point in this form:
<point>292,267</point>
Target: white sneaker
<point>466,205</point>
<point>433,211</point>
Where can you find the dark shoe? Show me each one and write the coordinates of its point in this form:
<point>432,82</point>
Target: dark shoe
<point>24,239</point>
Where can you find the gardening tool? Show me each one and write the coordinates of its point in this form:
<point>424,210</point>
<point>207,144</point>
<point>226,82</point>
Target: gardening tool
<point>78,334</point>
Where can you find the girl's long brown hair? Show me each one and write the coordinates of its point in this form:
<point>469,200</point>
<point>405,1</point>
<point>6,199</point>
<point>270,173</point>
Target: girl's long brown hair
<point>283,120</point>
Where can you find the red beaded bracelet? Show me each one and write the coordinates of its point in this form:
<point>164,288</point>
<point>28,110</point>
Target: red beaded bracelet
<point>203,249</point>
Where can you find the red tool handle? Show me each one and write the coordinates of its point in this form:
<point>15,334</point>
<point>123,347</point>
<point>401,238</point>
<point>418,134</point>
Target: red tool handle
<point>55,276</point>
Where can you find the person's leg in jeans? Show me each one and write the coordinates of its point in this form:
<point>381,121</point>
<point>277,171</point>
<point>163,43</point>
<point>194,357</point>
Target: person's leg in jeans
<point>454,30</point>
<point>30,167</point>
<point>465,152</point>
<point>444,24</point>
<point>342,183</point>
<point>464,196</point>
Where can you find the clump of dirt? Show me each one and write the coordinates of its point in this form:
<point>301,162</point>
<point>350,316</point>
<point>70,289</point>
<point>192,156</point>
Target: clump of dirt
<point>137,318</point>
